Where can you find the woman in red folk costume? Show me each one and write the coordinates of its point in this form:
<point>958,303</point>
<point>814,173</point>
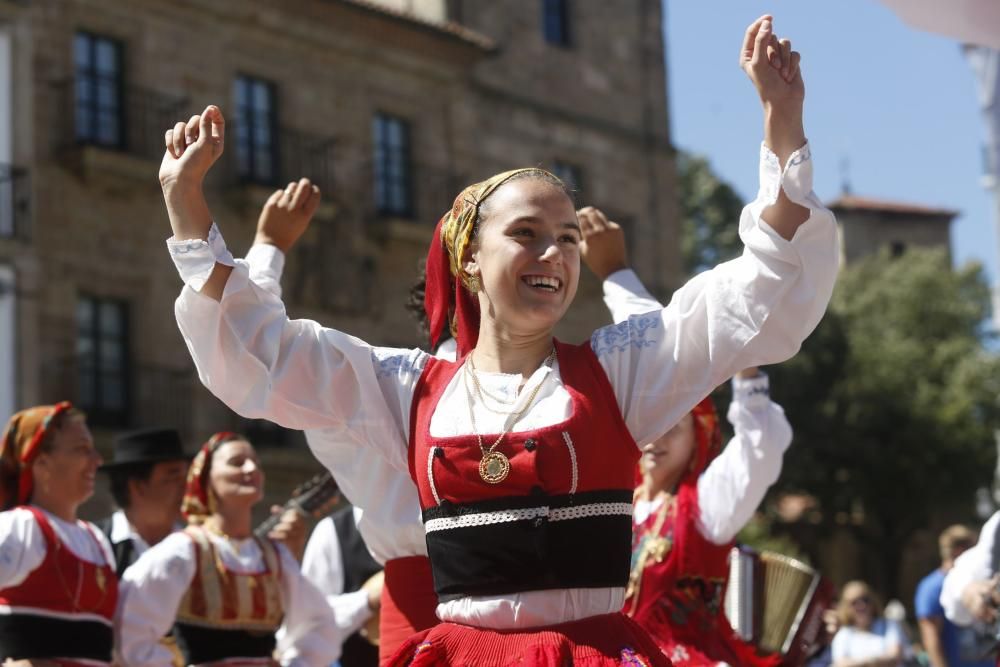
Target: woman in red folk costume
<point>58,588</point>
<point>523,450</point>
<point>689,507</point>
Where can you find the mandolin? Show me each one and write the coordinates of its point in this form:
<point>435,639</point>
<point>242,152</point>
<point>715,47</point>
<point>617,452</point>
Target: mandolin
<point>315,498</point>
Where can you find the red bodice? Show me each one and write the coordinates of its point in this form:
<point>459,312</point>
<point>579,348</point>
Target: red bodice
<point>677,596</point>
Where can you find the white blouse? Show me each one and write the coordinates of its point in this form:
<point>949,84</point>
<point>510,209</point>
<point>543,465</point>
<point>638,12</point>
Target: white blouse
<point>754,310</point>
<point>975,564</point>
<point>152,590</point>
<point>323,565</point>
<point>22,544</point>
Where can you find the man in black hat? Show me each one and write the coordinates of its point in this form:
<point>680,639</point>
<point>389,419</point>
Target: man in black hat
<point>148,471</point>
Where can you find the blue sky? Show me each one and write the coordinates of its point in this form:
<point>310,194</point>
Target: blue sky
<point>898,104</point>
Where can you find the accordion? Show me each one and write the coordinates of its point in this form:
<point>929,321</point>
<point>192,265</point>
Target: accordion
<point>776,603</point>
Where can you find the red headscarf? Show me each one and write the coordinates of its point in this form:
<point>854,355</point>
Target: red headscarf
<point>708,439</point>
<point>20,446</point>
<point>450,292</point>
<point>199,501</point>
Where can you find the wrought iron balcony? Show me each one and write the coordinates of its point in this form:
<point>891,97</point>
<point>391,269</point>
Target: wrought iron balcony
<point>141,395</point>
<point>15,198</point>
<point>125,118</point>
<point>274,158</point>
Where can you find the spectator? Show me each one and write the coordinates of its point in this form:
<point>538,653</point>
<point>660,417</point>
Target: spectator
<point>866,638</point>
<point>947,644</point>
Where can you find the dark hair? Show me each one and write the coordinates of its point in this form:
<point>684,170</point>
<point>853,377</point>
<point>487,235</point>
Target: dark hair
<point>120,477</point>
<point>538,174</point>
<point>415,302</point>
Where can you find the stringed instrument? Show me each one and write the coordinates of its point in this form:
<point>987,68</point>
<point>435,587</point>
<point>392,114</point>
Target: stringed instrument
<point>313,498</point>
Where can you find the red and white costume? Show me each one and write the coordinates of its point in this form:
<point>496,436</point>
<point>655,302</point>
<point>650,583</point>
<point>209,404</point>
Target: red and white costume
<point>58,589</point>
<point>655,367</point>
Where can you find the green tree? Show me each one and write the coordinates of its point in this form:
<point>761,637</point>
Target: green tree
<point>894,401</point>
<point>710,209</point>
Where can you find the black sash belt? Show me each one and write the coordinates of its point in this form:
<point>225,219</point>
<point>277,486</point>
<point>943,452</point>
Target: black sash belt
<point>538,542</point>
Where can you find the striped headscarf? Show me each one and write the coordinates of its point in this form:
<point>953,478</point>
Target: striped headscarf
<point>20,446</point>
<point>199,502</point>
<point>449,299</point>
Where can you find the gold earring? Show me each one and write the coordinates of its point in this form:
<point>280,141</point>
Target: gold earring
<point>474,284</point>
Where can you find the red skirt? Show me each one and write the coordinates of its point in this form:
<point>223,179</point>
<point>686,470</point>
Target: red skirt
<point>611,640</point>
<point>408,603</point>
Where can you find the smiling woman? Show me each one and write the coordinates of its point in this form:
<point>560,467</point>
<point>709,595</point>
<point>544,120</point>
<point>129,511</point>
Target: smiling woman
<point>57,574</point>
<point>523,450</point>
<point>225,591</point>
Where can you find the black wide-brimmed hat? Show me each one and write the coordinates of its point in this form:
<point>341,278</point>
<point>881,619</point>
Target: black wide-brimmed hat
<point>153,445</point>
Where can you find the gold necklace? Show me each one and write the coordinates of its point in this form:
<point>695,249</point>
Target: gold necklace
<point>494,466</point>
<point>481,392</point>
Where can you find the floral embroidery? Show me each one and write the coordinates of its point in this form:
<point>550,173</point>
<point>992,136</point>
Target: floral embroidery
<point>633,332</point>
<point>395,363</point>
<point>631,658</point>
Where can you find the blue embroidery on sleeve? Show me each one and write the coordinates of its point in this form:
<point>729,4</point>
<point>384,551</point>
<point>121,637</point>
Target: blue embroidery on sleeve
<point>635,332</point>
<point>395,363</point>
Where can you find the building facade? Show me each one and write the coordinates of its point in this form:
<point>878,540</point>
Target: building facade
<point>391,107</point>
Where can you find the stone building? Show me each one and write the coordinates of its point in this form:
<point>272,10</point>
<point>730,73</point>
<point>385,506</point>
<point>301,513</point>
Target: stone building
<point>390,106</point>
<point>870,225</point>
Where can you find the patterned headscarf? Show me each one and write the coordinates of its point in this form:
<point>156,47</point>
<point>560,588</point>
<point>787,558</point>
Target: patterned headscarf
<point>199,501</point>
<point>449,299</point>
<point>21,443</point>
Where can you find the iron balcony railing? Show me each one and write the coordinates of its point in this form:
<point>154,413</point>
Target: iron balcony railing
<point>120,117</point>
<point>15,198</point>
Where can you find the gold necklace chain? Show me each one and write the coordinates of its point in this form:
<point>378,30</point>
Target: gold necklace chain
<point>494,466</point>
<point>481,392</point>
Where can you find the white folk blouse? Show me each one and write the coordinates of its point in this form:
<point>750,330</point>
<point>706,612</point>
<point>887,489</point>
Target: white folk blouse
<point>153,587</point>
<point>754,310</point>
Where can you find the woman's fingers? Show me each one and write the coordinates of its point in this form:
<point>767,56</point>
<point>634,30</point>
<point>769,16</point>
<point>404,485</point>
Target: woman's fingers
<point>793,69</point>
<point>786,58</point>
<point>750,39</point>
<point>286,195</point>
<point>178,138</point>
<point>168,139</point>
<point>191,130</point>
<point>300,195</point>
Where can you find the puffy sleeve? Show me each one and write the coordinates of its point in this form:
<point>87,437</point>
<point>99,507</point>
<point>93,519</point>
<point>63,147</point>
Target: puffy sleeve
<point>625,295</point>
<point>309,634</point>
<point>150,594</point>
<point>323,565</point>
<point>751,311</point>
<point>296,373</point>
<point>734,483</point>
<point>22,546</point>
<point>975,564</point>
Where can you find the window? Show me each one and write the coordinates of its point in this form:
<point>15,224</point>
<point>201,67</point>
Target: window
<point>99,88</point>
<point>393,180</point>
<point>897,249</point>
<point>256,126</point>
<point>555,22</point>
<point>571,175</point>
<point>102,360</point>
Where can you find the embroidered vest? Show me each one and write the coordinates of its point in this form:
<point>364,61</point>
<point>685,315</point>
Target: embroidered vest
<point>563,516</point>
<point>227,614</point>
<point>65,599</point>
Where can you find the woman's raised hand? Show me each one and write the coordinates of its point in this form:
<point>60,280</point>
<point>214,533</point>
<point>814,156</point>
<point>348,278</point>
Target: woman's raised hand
<point>772,66</point>
<point>192,148</point>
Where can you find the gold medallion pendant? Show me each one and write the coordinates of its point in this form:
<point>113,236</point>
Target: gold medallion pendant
<point>494,467</point>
